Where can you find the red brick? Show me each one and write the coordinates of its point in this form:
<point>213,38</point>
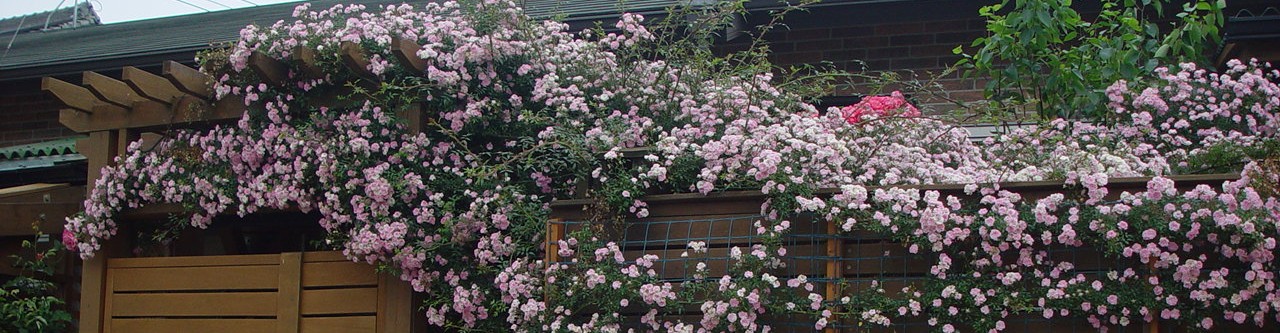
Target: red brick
<point>947,26</point>
<point>808,34</point>
<point>845,55</point>
<point>934,50</point>
<point>859,31</point>
<point>817,45</point>
<point>888,52</point>
<point>901,28</point>
<point>797,58</point>
<point>866,42</point>
<point>915,63</point>
<point>963,38</point>
<point>879,64</point>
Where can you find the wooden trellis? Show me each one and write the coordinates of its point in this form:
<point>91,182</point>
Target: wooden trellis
<point>114,112</point>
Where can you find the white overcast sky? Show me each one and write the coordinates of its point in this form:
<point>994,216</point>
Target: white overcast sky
<point>115,11</point>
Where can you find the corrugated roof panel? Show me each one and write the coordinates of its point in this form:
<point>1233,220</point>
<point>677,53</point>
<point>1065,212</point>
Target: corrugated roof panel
<point>64,146</point>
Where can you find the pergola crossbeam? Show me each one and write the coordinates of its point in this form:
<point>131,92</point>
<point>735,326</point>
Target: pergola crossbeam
<point>305,57</point>
<point>188,80</point>
<point>110,90</point>
<point>353,57</point>
<point>406,52</point>
<point>150,85</point>
<point>75,97</point>
<point>270,70</point>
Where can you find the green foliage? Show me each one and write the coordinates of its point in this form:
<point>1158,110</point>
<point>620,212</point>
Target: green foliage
<point>1042,56</point>
<point>27,304</point>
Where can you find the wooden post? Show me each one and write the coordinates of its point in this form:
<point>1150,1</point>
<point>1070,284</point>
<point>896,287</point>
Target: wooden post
<point>395,304</point>
<point>555,233</point>
<point>288,295</point>
<point>100,149</point>
<point>834,245</point>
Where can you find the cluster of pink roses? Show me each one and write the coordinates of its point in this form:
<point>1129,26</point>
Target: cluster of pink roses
<point>873,107</point>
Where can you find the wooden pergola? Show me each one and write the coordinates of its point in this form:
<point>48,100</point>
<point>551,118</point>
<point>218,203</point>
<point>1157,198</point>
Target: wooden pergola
<point>115,112</point>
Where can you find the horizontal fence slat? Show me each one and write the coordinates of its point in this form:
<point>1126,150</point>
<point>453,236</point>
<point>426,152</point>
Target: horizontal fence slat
<point>194,304</point>
<point>200,261</point>
<point>159,325</point>
<point>339,324</point>
<point>339,301</point>
<point>195,278</point>
<point>335,274</point>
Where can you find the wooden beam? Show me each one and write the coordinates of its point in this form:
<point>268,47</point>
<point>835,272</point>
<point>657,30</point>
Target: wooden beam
<point>153,115</point>
<point>353,57</point>
<point>187,79</point>
<point>150,85</point>
<point>406,51</point>
<point>75,97</point>
<point>306,59</point>
<point>109,90</point>
<point>269,69</point>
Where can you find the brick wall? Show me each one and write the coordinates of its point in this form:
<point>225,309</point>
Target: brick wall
<point>29,118</point>
<point>919,50</point>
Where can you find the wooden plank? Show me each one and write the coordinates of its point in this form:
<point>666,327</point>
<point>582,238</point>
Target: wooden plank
<point>8,192</point>
<point>200,261</point>
<point>164,325</point>
<point>75,97</point>
<point>395,304</point>
<point>305,57</point>
<point>406,52</point>
<point>151,86</point>
<point>196,278</point>
<point>338,274</point>
<point>287,315</point>
<point>194,304</point>
<point>270,70</point>
<point>151,115</point>
<point>353,57</point>
<point>339,301</point>
<point>340,325</point>
<point>187,79</point>
<point>109,90</point>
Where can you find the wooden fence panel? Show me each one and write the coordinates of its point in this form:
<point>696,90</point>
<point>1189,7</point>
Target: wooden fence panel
<point>289,292</point>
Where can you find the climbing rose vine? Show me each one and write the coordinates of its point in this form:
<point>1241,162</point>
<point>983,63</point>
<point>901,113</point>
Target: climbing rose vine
<point>518,112</point>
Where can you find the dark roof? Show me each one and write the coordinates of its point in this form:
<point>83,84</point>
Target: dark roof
<point>41,53</point>
<point>78,15</point>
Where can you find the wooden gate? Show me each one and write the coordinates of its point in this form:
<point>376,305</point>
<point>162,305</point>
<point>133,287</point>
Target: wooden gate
<point>313,292</point>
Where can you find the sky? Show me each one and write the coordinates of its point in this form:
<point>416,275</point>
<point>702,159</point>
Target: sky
<point>115,11</point>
